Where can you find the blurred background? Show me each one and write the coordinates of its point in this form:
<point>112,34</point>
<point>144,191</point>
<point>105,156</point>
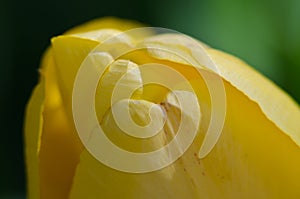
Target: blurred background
<point>266,34</point>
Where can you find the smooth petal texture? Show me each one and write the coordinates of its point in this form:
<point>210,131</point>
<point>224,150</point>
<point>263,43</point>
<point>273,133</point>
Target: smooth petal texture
<point>69,52</point>
<point>33,131</point>
<point>101,181</point>
<point>59,145</point>
<point>52,144</point>
<point>123,74</point>
<point>252,159</point>
<point>71,49</point>
<point>105,23</point>
<point>275,104</point>
<point>252,151</point>
<point>173,47</point>
<point>256,156</point>
<point>239,74</point>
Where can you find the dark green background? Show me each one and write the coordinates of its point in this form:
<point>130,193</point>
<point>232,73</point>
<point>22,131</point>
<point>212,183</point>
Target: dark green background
<point>263,33</point>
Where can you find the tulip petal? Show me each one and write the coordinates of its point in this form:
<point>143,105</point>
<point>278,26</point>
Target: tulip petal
<point>33,131</point>
<point>58,145</point>
<point>70,52</point>
<point>93,179</point>
<point>252,150</point>
<point>104,23</point>
<point>243,164</point>
<point>275,103</point>
<point>175,47</point>
<point>122,74</point>
<point>252,159</point>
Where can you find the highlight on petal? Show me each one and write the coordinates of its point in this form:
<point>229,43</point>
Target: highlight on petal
<point>69,52</point>
<point>239,74</point>
<point>174,47</point>
<point>246,145</point>
<point>121,72</point>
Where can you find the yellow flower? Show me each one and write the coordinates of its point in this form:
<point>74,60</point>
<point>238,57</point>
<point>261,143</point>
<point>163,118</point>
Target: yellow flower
<point>247,132</point>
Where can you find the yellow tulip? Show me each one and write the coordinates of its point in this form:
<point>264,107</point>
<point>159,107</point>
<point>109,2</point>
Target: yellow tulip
<point>247,141</point>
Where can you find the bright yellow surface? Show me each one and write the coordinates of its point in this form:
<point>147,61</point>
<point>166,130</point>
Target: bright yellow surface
<point>257,155</point>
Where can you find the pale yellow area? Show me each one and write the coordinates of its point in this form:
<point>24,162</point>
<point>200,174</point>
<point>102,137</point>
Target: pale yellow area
<point>252,159</point>
<point>257,155</point>
<point>52,144</point>
<point>275,103</point>
<point>104,23</point>
<point>123,75</point>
